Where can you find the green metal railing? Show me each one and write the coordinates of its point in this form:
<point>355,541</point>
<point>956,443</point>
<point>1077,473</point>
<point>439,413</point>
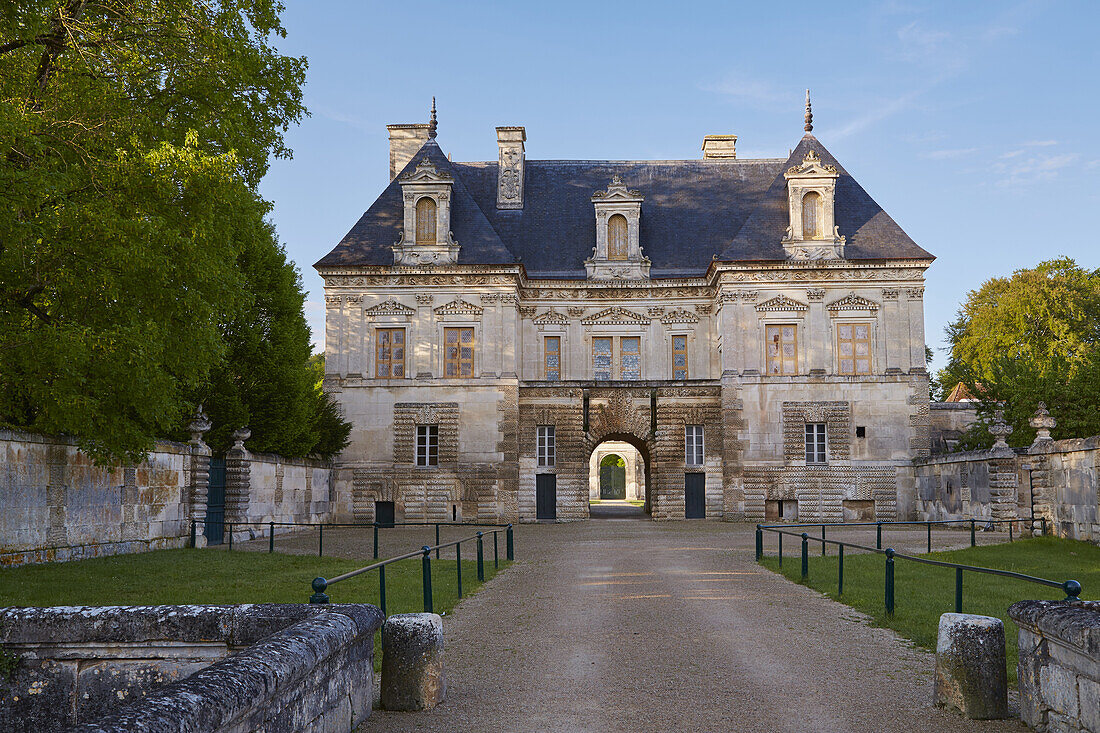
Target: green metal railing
<point>320,585</point>
<point>230,526</point>
<point>1071,588</point>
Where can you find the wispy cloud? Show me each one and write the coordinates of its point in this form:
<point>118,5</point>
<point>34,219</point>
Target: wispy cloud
<point>1031,167</point>
<point>876,114</point>
<point>948,154</point>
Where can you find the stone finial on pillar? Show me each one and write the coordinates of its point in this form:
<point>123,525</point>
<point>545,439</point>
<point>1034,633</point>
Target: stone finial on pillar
<point>1000,430</point>
<point>200,472</point>
<point>1042,422</point>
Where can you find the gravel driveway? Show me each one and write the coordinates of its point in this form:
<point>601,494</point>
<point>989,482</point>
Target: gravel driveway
<point>622,625</point>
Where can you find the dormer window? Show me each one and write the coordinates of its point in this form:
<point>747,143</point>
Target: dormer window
<point>426,237</point>
<point>618,251</point>
<point>425,221</point>
<point>617,237</point>
<point>811,189</point>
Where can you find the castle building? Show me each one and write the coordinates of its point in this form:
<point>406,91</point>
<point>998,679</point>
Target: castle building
<point>747,335</point>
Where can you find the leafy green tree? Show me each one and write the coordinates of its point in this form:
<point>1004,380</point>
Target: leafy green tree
<point>1033,337</point>
<point>133,135</point>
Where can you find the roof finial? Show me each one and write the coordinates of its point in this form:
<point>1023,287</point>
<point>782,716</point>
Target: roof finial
<point>809,114</point>
<point>432,124</point>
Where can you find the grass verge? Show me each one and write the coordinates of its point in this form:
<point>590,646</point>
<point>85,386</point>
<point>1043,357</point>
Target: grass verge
<point>923,592</point>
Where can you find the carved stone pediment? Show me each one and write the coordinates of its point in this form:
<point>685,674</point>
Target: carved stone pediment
<point>616,314</point>
<point>389,308</point>
<point>552,317</point>
<point>780,303</point>
<point>617,191</point>
<point>679,316</point>
<point>811,165</point>
<point>852,302</point>
<point>458,307</point>
<point>425,172</point>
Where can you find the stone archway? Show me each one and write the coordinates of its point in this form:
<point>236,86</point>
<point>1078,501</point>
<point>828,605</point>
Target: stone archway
<point>635,454</point>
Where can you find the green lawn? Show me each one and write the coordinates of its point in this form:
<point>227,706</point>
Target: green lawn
<point>923,592</point>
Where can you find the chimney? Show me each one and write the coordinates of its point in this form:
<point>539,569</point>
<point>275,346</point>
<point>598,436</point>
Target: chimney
<point>405,140</point>
<point>510,171</point>
<point>719,147</point>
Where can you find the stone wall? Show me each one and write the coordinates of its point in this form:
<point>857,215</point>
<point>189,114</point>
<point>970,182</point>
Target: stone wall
<point>167,668</point>
<point>1059,667</point>
<point>57,505</point>
<point>962,486</point>
<point>948,421</point>
<point>1067,490</point>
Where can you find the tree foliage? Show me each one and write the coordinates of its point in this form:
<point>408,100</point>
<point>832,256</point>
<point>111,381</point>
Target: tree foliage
<point>1029,338</point>
<point>137,272</point>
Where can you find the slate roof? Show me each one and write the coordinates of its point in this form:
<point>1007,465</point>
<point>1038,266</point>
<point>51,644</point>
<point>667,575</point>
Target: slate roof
<point>695,211</point>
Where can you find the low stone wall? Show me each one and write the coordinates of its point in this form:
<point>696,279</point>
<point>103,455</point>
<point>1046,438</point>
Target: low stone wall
<point>56,504</point>
<point>1059,668</point>
<point>1067,491</point>
<point>947,421</point>
<point>177,668</point>
<point>284,490</point>
<point>980,484</point>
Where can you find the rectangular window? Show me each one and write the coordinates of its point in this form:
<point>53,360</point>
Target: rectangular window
<point>547,447</point>
<point>853,348</point>
<point>458,352</point>
<point>389,353</point>
<point>551,355</point>
<point>601,357</point>
<point>693,445</point>
<point>427,445</point>
<point>782,348</point>
<point>679,357</point>
<point>815,442</point>
<point>630,357</point>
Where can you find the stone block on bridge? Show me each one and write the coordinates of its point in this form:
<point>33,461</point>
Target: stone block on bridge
<point>412,662</point>
<point>971,673</point>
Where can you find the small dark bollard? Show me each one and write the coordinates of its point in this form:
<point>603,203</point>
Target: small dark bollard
<point>970,666</point>
<point>412,662</point>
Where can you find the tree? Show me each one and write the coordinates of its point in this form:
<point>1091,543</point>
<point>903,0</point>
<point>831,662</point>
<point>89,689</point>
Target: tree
<point>1033,337</point>
<point>134,134</point>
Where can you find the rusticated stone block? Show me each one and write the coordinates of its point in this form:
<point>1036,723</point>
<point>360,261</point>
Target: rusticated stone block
<point>412,662</point>
<point>971,676</point>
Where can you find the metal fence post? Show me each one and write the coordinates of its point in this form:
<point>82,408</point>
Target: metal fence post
<point>759,543</point>
<point>929,536</point>
<point>320,539</point>
<point>192,533</point>
<point>319,586</point>
<point>271,536</point>
<point>823,540</point>
<point>480,560</point>
<point>496,561</point>
<point>805,555</point>
<point>780,548</point>
<point>382,588</point>
<point>230,536</point>
<point>509,548</point>
<point>376,540</point>
<point>958,590</point>
<point>426,571</point>
<point>1010,530</point>
<point>890,581</point>
<point>437,540</point>
<point>458,566</point>
<point>973,538</point>
<point>840,571</point>
<point>878,540</point>
<point>1044,521</point>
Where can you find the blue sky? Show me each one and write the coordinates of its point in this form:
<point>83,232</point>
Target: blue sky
<point>970,123</point>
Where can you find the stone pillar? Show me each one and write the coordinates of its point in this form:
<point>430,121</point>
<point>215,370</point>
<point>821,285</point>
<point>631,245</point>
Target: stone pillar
<point>356,343</point>
<point>1002,471</point>
<point>817,334</point>
<point>199,475</point>
<point>1043,492</point>
<point>421,348</point>
<point>894,337</point>
<point>238,477</point>
<point>492,336</point>
<point>412,662</point>
<point>916,328</point>
<point>971,674</point>
<point>509,325</point>
<point>734,502</point>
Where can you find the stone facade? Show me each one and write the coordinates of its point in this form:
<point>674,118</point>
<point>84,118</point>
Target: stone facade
<point>616,346</point>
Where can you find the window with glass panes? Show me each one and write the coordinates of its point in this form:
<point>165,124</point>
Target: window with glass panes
<point>546,445</point>
<point>782,348</point>
<point>693,445</point>
<point>551,354</point>
<point>458,352</point>
<point>630,357</point>
<point>815,442</point>
<point>601,357</point>
<point>679,357</point>
<point>389,353</point>
<point>853,348</point>
<point>427,445</point>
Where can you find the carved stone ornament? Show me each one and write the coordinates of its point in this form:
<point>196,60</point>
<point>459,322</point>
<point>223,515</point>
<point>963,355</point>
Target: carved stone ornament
<point>620,415</point>
<point>1043,423</point>
<point>1000,430</point>
<point>552,317</point>
<point>389,308</point>
<point>703,308</point>
<point>815,295</point>
<point>813,182</point>
<point>852,302</point>
<point>655,310</point>
<point>679,316</point>
<point>425,172</point>
<point>780,303</point>
<point>240,435</point>
<point>458,307</point>
<point>811,165</point>
<point>890,294</point>
<point>615,314</point>
<point>424,298</point>
<point>199,424</point>
<point>575,311</point>
<point>526,311</point>
<point>618,190</point>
